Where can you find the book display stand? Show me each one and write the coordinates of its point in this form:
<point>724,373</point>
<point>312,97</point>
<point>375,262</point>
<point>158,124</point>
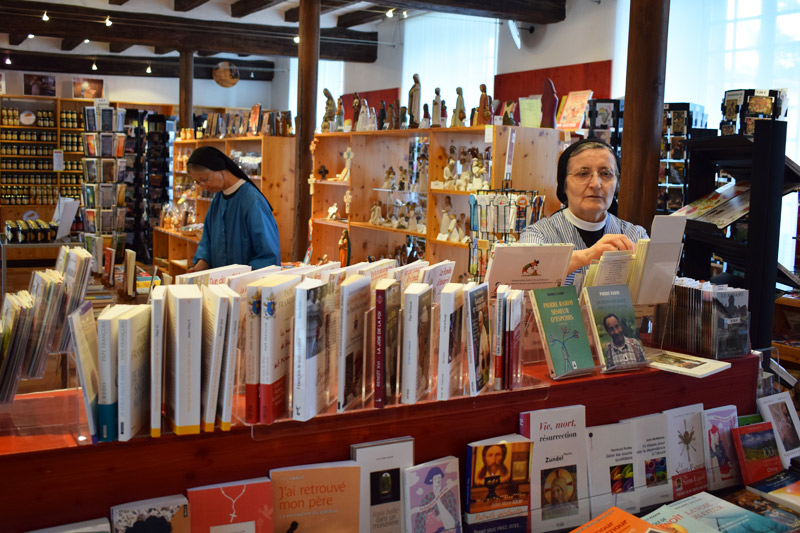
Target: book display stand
<point>604,120</point>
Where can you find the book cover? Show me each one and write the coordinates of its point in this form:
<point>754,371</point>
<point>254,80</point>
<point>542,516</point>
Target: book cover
<point>215,318</point>
<point>98,525</point>
<point>611,454</point>
<point>757,451</point>
<point>416,362</point>
<point>724,516</point>
<point>615,519</point>
<point>277,320</point>
<point>681,363</point>
<point>573,109</point>
<point>562,330</point>
<point>387,341</point>
<point>169,513</point>
<point>479,357</point>
<point>212,276</point>
<point>229,355</point>
<point>665,518</point>
<point>452,343</point>
<point>317,497</point>
<point>239,506</point>
<point>309,391</point>
<point>774,511</point>
<point>650,473</point>
<point>183,358</point>
<point>614,327</point>
<point>381,500</point>
<point>687,465</point>
<point>732,324</point>
<point>107,360</point>
<point>779,409</point>
<point>251,347</point>
<point>432,498</point>
<point>528,266</point>
<point>355,299</point>
<point>408,274</point>
<point>559,484</point>
<point>746,420</point>
<point>513,331</point>
<point>722,467</point>
<point>133,371</point>
<point>498,474</point>
<point>437,276</point>
<point>157,340</point>
<point>782,488</point>
<point>84,335</point>
<point>375,272</point>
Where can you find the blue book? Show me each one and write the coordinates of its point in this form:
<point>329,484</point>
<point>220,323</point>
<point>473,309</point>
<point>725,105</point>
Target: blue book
<point>725,516</point>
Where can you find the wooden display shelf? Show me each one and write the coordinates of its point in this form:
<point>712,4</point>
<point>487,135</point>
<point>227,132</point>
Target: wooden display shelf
<point>447,191</point>
<point>28,142</point>
<point>29,184</point>
<point>81,482</point>
<point>49,128</point>
<point>450,243</point>
<point>18,171</point>
<point>334,223</point>
<point>365,225</point>
<point>71,129</point>
<point>332,182</point>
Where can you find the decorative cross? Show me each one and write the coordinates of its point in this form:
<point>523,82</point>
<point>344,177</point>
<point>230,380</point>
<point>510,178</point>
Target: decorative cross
<point>348,156</point>
<point>323,172</point>
<point>348,197</point>
<point>311,184</point>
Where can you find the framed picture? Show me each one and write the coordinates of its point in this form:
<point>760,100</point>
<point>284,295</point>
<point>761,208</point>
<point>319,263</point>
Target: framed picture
<point>38,85</point>
<point>87,88</point>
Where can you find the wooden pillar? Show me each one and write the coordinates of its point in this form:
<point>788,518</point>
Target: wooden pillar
<point>644,102</point>
<point>186,75</point>
<point>308,57</point>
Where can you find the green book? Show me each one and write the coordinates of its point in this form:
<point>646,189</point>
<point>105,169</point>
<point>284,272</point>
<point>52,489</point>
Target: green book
<point>614,327</point>
<point>563,333</point>
<point>746,420</point>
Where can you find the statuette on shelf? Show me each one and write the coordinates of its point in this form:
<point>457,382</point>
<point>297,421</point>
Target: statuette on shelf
<point>330,112</point>
<point>356,110</point>
<point>436,109</point>
<point>381,118</point>
<point>459,114</point>
<point>389,179</point>
<point>449,174</point>
<point>375,214</point>
<point>344,175</point>
<point>414,103</point>
<point>333,211</point>
<point>339,118</point>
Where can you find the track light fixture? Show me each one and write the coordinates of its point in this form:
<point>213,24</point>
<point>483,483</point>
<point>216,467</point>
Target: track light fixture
<point>296,39</point>
<point>94,65</point>
<point>390,13</point>
<point>45,17</point>
<point>108,21</point>
<point>405,14</point>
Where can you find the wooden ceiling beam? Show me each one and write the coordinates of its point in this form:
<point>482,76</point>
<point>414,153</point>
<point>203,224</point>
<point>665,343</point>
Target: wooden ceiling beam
<point>161,50</point>
<point>205,53</point>
<point>325,6</point>
<point>117,2</point>
<point>187,5</point>
<point>118,48</point>
<point>364,16</point>
<point>179,33</point>
<point>70,43</point>
<point>530,11</point>
<point>242,8</point>
<point>166,67</point>
<point>17,38</point>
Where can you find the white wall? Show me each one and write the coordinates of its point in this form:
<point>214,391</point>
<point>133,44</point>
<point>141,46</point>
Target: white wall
<point>386,72</point>
<point>280,84</point>
<point>141,89</point>
<point>586,35</point>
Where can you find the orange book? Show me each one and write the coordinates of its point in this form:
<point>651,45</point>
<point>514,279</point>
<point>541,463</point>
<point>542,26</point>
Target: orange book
<point>572,110</point>
<point>615,520</point>
<point>246,504</point>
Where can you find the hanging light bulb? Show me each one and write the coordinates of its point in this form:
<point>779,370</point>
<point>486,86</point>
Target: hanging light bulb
<point>405,14</point>
<point>108,20</point>
<point>390,13</point>
<point>31,36</point>
<point>94,65</point>
<point>8,60</point>
<point>149,70</point>
<point>45,17</point>
<point>86,41</point>
<point>252,75</point>
<point>296,39</point>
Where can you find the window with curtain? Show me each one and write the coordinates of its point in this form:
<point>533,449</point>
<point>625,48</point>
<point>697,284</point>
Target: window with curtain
<point>449,51</point>
<point>330,74</point>
<point>718,45</point>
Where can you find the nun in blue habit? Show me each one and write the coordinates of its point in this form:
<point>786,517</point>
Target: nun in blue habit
<point>239,227</point>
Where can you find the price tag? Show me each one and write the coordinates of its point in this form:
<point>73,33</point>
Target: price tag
<point>487,134</point>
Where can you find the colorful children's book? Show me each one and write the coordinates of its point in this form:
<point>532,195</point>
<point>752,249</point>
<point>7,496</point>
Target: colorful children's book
<point>432,498</point>
<point>687,464</point>
<point>498,474</point>
<point>236,506</point>
<point>756,451</point>
<point>779,409</point>
<point>722,466</point>
<point>573,109</point>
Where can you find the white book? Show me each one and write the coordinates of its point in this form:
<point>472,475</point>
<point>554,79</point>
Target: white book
<point>479,356</point>
<point>277,320</point>
<point>309,396</point>
<point>437,276</point>
<point>382,463</point>
<point>559,488</point>
<point>184,358</point>
<point>650,473</point>
<point>211,276</point>
<point>722,466</point>
<point>452,342</point>
<point>158,305</point>
<point>611,453</point>
<point>376,271</point>
<point>130,273</point>
<point>84,335</point>
<point>107,347</point>
<point>332,318</point>
<point>215,318</point>
<point>416,355</point>
<point>687,464</point>
<point>354,302</point>
<point>312,272</point>
<point>239,283</point>
<point>133,371</point>
<point>228,371</point>
<point>779,409</point>
<point>408,274</point>
<point>98,525</point>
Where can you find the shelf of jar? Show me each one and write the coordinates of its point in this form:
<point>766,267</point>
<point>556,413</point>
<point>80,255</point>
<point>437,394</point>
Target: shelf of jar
<point>20,127</point>
<point>18,171</point>
<point>81,153</point>
<point>9,141</point>
<point>71,129</point>
<point>366,225</point>
<point>334,223</point>
<point>5,184</point>
<point>70,171</point>
<point>26,205</point>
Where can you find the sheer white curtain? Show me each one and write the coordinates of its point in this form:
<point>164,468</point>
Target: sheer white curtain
<point>330,75</point>
<point>716,45</point>
<point>449,51</point>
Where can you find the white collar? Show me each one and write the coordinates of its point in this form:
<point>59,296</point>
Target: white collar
<point>583,224</point>
<point>233,188</point>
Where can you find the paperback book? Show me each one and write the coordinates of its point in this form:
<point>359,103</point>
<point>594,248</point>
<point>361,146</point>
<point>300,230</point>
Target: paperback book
<point>452,342</point>
<point>416,363</point>
<point>614,328</point>
<point>615,519</point>
<point>774,511</point>
<point>387,341</point>
<point>724,516</point>
<point>238,506</point>
<point>498,474</point>
<point>528,266</point>
<point>611,454</point>
<point>756,451</point>
<point>431,496</point>
<point>687,465</point>
<point>479,363</point>
<point>169,513</point>
<point>779,409</point>
<point>722,467</point>
<point>84,335</point>
<point>650,472</point>
<point>355,300</point>
<point>310,364</point>
<point>782,488</point>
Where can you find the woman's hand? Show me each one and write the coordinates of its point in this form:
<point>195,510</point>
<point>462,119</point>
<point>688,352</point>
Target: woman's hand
<point>610,242</point>
<point>200,265</point>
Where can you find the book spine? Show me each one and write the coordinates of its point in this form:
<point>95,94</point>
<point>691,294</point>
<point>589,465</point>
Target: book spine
<point>252,357</point>
<point>225,399</point>
<point>156,365</point>
<point>267,349</point>
<point>443,383</point>
<point>472,355</point>
<point>299,406</point>
<point>187,379</point>
<point>106,404</point>
<point>499,360</point>
<point>410,349</point>
<point>380,342</point>
<point>216,365</point>
<point>123,381</point>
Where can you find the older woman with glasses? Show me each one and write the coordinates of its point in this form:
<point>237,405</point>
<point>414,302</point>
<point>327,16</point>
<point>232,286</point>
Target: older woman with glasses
<point>587,179</point>
<point>239,227</point>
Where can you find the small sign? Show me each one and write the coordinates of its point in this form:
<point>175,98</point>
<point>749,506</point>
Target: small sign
<point>101,102</point>
<point>487,134</point>
<point>58,160</point>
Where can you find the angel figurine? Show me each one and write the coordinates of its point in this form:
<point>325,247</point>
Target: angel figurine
<point>449,174</point>
<point>333,211</point>
<point>388,179</point>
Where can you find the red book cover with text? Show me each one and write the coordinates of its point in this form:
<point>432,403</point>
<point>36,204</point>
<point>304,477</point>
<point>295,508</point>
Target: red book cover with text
<point>757,451</point>
<point>232,507</point>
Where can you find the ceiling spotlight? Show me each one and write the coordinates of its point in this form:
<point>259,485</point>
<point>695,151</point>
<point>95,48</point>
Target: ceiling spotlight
<point>108,21</point>
<point>86,41</point>
<point>390,13</point>
<point>45,17</point>
<point>8,61</point>
<point>405,14</point>
<point>296,39</point>
<point>149,70</point>
<point>252,75</point>
<point>94,65</point>
<point>31,36</point>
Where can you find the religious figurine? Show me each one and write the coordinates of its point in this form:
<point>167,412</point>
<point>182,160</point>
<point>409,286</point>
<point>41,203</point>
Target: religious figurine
<point>391,117</point>
<point>445,219</point>
<point>414,103</point>
<point>362,124</point>
<point>443,115</point>
<point>344,249</point>
<point>396,122</point>
<point>508,113</point>
<point>478,175</point>
<point>549,104</point>
<point>373,119</point>
<point>449,174</point>
<point>330,112</point>
<point>403,118</point>
<point>344,175</point>
<point>461,226</point>
<point>452,230</point>
<point>388,179</point>
<point>484,108</point>
<point>436,110</point>
<point>425,123</point>
<point>412,223</point>
<point>403,180</point>
<point>348,197</point>
<point>339,119</point>
<point>382,116</point>
<point>333,211</point>
<point>458,111</point>
<point>356,110</point>
<point>375,214</point>
<point>422,165</point>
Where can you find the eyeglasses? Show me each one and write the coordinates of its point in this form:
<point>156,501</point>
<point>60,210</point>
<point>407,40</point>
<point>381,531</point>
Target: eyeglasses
<point>606,175</point>
<point>204,180</point>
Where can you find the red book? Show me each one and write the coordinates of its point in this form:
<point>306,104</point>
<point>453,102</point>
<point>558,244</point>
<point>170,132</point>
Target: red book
<point>237,506</point>
<point>387,308</point>
<point>380,318</point>
<point>757,451</point>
